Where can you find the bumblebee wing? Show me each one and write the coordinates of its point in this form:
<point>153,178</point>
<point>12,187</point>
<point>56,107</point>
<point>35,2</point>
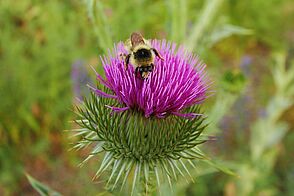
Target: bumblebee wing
<point>136,38</point>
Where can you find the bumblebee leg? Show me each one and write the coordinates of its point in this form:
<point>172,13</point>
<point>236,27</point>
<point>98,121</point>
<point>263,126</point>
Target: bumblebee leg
<point>127,60</point>
<point>152,66</point>
<point>136,71</point>
<point>157,53</point>
<point>141,71</point>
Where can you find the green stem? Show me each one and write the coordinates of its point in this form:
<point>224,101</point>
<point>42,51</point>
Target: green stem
<point>178,10</point>
<point>208,14</point>
<point>99,20</point>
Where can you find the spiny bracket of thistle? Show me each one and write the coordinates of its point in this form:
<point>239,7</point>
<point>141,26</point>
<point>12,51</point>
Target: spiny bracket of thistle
<point>149,146</point>
<point>146,129</point>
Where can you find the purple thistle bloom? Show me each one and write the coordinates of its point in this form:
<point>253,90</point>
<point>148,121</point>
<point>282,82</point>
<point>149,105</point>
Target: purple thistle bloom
<point>177,82</point>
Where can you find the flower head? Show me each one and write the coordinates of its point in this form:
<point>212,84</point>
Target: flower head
<point>158,143</point>
<point>177,82</point>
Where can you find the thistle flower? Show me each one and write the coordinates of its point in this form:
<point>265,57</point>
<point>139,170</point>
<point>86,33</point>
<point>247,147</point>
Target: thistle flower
<point>177,82</point>
<point>151,127</point>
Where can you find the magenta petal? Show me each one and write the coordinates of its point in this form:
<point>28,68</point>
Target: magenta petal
<point>98,77</point>
<point>102,81</point>
<point>101,93</point>
<point>177,82</point>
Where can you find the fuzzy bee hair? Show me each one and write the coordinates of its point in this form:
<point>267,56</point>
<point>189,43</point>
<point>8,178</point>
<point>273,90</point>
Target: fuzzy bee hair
<point>140,54</point>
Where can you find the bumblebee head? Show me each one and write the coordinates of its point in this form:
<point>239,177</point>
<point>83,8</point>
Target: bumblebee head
<point>142,53</point>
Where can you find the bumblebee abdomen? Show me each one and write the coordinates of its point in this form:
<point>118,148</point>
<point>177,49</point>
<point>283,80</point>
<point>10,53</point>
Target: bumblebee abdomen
<point>144,63</point>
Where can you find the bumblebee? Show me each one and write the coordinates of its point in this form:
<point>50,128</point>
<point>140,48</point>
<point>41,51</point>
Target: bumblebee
<point>140,54</point>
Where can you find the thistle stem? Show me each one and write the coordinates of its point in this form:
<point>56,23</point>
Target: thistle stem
<point>198,29</point>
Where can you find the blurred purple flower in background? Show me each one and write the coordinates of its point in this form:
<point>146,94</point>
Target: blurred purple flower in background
<point>246,61</point>
<point>80,78</point>
<point>176,83</point>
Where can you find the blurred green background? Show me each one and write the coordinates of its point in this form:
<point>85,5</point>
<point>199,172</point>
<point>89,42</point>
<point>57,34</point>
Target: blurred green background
<point>46,48</point>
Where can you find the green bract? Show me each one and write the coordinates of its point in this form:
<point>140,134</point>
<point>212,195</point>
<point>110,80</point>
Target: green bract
<point>136,146</point>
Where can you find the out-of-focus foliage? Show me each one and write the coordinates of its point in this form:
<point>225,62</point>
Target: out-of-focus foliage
<point>39,42</point>
<point>270,20</point>
<point>45,50</point>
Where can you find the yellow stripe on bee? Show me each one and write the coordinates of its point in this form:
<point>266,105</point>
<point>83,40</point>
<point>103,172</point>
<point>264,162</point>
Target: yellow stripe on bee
<point>141,46</point>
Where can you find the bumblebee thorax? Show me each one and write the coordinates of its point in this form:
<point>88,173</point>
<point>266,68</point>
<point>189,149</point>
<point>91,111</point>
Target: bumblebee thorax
<point>142,52</point>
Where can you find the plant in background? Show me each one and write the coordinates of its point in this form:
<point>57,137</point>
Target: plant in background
<point>152,127</point>
<point>32,115</point>
<point>267,133</point>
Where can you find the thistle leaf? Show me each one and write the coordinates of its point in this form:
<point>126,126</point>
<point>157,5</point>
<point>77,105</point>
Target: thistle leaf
<point>42,189</point>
